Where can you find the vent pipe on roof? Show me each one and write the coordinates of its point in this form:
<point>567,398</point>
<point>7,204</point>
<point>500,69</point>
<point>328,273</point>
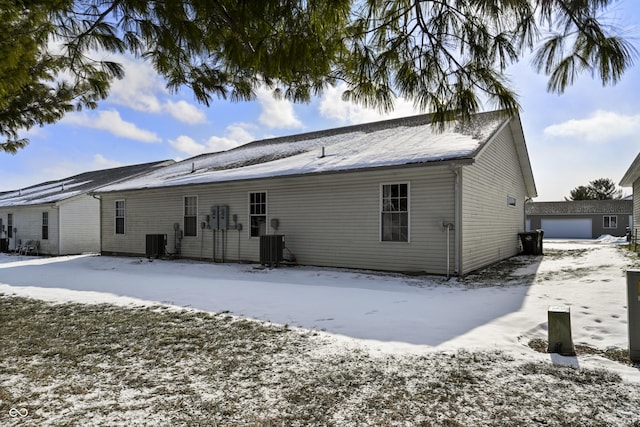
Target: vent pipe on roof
<point>322,155</point>
<point>63,186</point>
<point>193,167</point>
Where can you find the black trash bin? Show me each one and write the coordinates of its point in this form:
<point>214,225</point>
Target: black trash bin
<point>4,245</point>
<point>531,242</point>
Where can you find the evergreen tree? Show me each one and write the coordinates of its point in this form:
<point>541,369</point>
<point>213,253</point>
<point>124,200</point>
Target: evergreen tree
<point>598,189</point>
<point>605,189</point>
<point>444,55</point>
<point>581,193</point>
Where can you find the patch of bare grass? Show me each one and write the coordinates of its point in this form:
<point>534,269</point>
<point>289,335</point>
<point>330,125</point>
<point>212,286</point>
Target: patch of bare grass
<point>75,364</point>
<point>503,273</point>
<point>616,354</point>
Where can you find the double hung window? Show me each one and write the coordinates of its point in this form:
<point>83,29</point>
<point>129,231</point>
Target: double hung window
<point>191,216</point>
<point>394,221</point>
<point>45,225</point>
<point>257,214</point>
<point>119,216</point>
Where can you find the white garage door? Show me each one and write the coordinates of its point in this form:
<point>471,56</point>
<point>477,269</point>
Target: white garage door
<point>567,228</point>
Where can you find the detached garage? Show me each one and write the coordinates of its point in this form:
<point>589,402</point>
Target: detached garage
<point>580,219</point>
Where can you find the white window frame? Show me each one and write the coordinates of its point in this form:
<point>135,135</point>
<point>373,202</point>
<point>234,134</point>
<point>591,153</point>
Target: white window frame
<point>123,216</point>
<point>10,226</point>
<point>382,212</point>
<point>251,215</point>
<point>185,216</point>
<point>609,217</point>
<point>45,225</point>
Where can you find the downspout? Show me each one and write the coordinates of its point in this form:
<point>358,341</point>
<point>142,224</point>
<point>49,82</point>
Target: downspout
<point>59,230</point>
<point>99,199</point>
<point>449,227</point>
<point>457,215</point>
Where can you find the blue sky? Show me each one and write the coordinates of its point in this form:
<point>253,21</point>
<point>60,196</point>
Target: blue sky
<point>588,132</point>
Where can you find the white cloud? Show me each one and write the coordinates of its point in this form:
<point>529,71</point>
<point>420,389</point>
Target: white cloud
<point>239,132</point>
<point>333,107</point>
<point>187,145</point>
<point>101,162</point>
<point>602,126</point>
<point>236,134</point>
<point>111,121</point>
<point>138,88</point>
<point>185,112</point>
<point>276,113</point>
<point>142,89</point>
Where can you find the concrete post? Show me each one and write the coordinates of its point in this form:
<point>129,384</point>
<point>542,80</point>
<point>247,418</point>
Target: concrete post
<point>633,310</point>
<point>560,340</point>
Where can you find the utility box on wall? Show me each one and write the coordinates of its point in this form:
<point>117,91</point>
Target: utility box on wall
<point>215,218</point>
<point>633,309</point>
<point>223,217</point>
<point>219,219</point>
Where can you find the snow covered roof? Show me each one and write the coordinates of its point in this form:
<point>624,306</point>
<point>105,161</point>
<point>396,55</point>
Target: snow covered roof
<point>411,140</point>
<point>56,191</point>
<point>580,207</point>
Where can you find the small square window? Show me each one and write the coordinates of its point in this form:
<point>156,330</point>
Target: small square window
<point>511,201</point>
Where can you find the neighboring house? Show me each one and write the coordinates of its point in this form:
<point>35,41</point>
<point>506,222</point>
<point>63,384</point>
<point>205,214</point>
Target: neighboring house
<point>397,195</point>
<point>632,179</point>
<point>61,215</point>
<point>580,219</point>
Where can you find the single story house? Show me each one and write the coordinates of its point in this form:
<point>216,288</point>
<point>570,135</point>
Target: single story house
<point>631,179</point>
<point>397,195</point>
<point>60,215</point>
<point>580,219</point>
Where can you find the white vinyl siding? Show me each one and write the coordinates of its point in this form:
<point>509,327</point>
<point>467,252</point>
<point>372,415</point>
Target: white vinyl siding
<point>491,226</point>
<point>79,225</point>
<point>72,226</point>
<point>327,219</point>
<point>27,225</point>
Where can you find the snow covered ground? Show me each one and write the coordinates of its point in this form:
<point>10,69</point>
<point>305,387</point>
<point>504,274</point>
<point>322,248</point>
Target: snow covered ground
<point>383,312</point>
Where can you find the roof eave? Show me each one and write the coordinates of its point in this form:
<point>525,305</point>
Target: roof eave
<point>632,174</point>
<point>515,127</point>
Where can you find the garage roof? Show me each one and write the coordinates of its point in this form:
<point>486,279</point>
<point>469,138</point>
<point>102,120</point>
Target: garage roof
<point>580,207</point>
